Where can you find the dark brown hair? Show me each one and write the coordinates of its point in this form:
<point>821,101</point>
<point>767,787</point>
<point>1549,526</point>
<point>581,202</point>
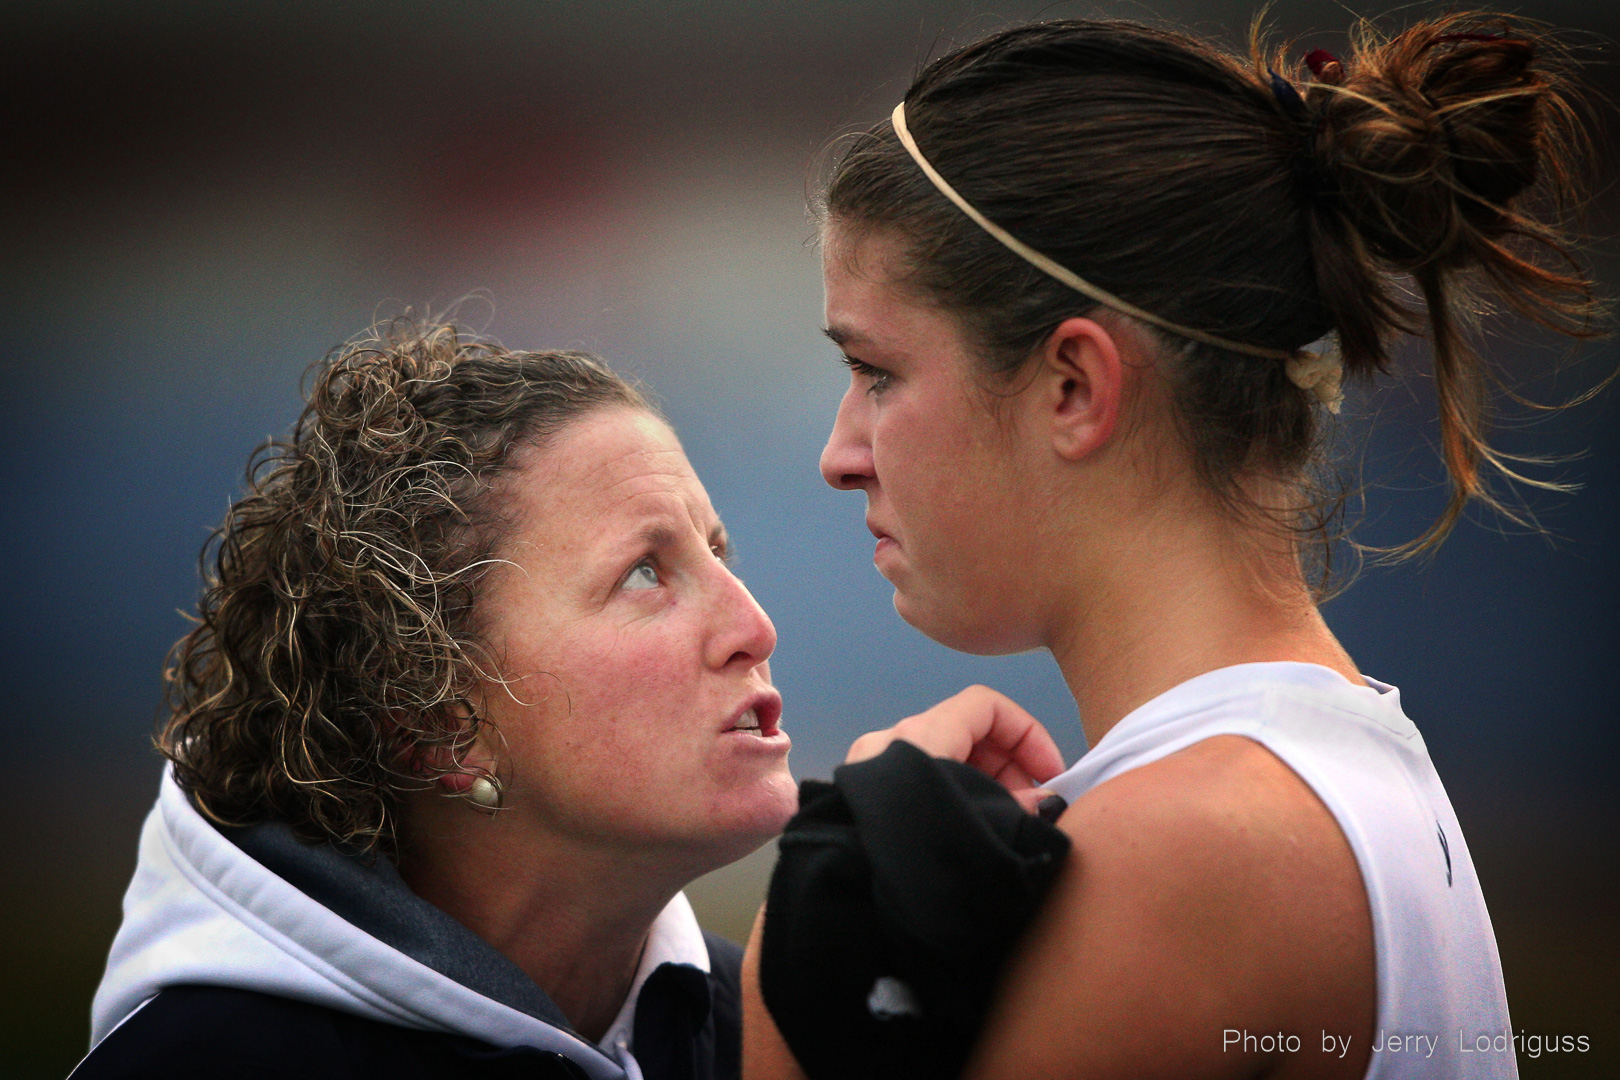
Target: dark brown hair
<point>336,642</point>
<point>1273,211</point>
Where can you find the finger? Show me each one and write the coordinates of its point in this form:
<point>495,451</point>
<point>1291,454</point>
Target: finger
<point>984,721</point>
<point>996,763</point>
<point>976,718</point>
<point>1014,778</point>
<point>980,726</point>
<point>1030,799</point>
<point>869,745</point>
<point>1022,738</point>
<point>989,759</point>
<point>1043,803</point>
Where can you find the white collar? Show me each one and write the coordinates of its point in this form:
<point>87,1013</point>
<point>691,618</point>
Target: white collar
<point>675,938</point>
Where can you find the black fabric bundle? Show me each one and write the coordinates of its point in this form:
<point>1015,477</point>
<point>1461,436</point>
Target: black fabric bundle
<point>901,890</point>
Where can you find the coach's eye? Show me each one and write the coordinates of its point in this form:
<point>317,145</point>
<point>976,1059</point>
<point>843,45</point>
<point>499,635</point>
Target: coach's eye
<point>643,576</point>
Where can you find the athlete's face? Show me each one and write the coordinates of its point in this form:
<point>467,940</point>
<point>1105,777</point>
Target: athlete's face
<point>946,497</point>
<point>637,708</point>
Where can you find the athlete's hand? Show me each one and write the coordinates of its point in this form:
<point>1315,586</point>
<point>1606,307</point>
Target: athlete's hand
<point>983,728</point>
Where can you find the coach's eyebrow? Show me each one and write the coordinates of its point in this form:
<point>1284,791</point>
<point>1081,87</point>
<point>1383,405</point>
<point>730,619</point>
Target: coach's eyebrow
<point>720,541</point>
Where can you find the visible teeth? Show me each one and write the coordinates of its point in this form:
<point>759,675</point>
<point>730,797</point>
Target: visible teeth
<point>749,721</point>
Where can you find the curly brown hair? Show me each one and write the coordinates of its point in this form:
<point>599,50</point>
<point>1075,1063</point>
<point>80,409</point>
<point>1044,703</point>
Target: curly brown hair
<point>335,645</point>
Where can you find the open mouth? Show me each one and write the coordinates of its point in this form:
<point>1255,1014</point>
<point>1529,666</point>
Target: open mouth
<point>758,719</point>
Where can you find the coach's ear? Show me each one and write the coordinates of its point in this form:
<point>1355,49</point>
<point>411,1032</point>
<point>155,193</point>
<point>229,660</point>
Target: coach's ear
<point>1080,384</point>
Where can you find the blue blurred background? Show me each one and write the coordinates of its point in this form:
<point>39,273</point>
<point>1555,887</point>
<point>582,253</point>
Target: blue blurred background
<point>201,199</point>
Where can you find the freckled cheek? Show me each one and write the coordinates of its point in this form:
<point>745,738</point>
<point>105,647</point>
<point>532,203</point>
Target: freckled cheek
<point>636,679</point>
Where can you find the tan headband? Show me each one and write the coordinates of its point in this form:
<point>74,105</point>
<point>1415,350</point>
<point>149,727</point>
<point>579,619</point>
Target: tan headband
<point>1325,386</point>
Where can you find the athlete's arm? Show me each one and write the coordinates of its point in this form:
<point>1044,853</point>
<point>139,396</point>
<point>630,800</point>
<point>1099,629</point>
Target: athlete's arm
<point>1209,896</point>
<point>765,1054</point>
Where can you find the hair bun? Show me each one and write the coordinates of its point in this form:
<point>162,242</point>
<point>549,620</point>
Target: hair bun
<point>1487,98</point>
<point>1452,151</point>
<point>1432,134</point>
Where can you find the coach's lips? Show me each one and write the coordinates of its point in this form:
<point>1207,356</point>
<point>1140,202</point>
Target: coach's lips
<point>760,715</point>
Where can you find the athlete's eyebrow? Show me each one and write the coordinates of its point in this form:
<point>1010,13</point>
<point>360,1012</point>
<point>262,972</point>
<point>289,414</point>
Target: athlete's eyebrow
<point>842,335</point>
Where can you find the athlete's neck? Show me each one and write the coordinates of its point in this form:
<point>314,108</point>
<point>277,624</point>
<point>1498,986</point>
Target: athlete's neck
<point>1190,590</point>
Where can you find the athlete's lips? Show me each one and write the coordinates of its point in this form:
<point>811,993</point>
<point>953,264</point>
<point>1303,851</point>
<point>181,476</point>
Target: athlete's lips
<point>878,531</point>
<point>761,713</point>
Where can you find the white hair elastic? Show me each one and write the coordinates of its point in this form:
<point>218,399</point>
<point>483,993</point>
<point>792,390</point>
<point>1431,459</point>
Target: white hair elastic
<point>1319,372</point>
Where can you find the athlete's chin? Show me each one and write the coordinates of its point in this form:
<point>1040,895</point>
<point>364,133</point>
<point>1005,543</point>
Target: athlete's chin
<point>956,624</point>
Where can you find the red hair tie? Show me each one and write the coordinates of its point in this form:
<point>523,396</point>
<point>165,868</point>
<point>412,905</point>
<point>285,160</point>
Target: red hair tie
<point>1325,66</point>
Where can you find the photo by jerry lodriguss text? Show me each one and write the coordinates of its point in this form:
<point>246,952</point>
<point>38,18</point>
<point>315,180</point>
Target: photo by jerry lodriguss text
<point>1422,1044</point>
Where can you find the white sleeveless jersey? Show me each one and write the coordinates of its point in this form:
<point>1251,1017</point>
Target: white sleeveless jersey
<point>1442,1011</point>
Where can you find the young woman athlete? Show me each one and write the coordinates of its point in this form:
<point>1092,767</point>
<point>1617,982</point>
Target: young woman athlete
<point>1098,285</point>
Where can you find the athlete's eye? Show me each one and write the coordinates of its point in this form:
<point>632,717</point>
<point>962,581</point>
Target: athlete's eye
<point>877,378</point>
<point>643,576</point>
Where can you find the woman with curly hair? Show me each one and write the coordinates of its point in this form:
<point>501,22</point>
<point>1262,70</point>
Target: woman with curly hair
<point>471,696</point>
<point>1097,284</point>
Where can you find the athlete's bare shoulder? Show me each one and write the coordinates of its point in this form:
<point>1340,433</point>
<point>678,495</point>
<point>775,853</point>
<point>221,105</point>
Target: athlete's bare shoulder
<point>1208,893</point>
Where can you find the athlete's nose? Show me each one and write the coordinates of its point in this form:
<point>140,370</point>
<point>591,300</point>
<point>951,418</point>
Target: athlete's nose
<point>846,460</point>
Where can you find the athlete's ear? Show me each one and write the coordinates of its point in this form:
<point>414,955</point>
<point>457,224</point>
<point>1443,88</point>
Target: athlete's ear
<point>1083,379</point>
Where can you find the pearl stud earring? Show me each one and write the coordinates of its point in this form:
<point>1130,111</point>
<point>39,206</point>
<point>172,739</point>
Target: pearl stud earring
<point>484,793</point>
